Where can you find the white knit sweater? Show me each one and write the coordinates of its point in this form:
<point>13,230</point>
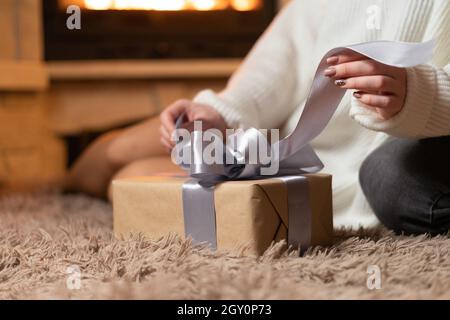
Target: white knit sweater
<point>270,88</point>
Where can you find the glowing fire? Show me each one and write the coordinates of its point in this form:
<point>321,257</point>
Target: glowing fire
<point>172,5</point>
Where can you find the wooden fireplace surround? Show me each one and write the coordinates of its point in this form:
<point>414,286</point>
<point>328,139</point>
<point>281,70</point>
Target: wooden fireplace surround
<point>40,103</point>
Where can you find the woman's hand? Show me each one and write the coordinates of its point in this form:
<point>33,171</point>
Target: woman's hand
<point>194,112</point>
<point>378,86</point>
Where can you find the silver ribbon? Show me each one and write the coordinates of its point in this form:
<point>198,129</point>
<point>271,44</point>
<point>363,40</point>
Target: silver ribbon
<point>293,153</point>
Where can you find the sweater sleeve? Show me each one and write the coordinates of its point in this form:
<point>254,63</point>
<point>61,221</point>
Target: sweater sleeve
<point>261,90</point>
<point>426,112</point>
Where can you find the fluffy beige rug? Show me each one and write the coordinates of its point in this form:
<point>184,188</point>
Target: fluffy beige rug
<point>45,238</point>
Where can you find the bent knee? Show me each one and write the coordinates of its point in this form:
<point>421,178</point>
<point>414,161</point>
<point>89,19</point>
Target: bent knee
<point>134,169</point>
<point>146,167</point>
<point>403,199</point>
<point>117,151</point>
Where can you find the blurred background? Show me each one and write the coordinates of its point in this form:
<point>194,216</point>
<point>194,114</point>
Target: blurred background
<point>61,88</point>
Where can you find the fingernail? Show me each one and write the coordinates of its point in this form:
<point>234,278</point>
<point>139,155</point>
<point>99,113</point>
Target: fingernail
<point>340,83</point>
<point>332,60</point>
<point>330,72</point>
<point>357,95</point>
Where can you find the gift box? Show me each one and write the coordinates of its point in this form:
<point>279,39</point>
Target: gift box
<point>250,213</point>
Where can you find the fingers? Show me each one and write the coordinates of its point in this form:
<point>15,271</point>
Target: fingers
<point>168,118</point>
<point>165,140</point>
<point>194,112</point>
<point>385,105</point>
<point>377,85</point>
<point>381,84</point>
<point>198,112</point>
<point>362,68</point>
<point>170,115</point>
<point>166,137</point>
<point>353,71</point>
<point>357,69</point>
<point>166,146</point>
<point>345,57</point>
<point>375,100</point>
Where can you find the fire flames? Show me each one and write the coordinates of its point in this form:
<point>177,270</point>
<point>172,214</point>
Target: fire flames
<point>172,5</point>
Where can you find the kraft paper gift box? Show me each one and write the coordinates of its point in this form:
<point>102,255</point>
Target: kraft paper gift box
<point>252,213</point>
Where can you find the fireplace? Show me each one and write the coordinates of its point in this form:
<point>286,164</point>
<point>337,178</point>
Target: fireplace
<point>155,29</point>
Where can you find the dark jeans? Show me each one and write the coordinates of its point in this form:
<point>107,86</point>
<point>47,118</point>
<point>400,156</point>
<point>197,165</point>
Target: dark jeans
<point>407,184</point>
